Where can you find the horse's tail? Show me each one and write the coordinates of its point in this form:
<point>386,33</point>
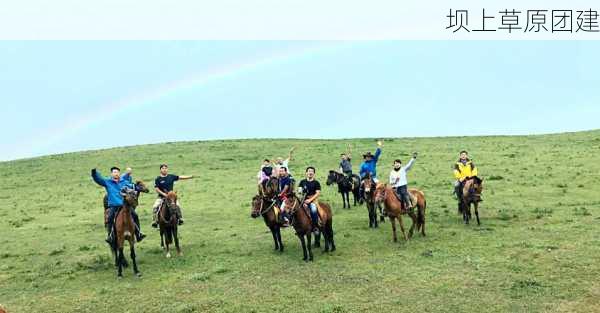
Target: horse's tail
<point>421,214</point>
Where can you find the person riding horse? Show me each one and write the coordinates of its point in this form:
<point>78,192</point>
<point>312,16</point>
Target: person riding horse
<point>399,181</point>
<point>346,163</point>
<point>464,169</point>
<point>311,188</point>
<point>284,191</point>
<point>369,166</point>
<point>113,186</point>
<point>163,184</point>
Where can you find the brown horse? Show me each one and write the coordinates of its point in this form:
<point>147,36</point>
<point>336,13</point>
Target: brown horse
<point>368,187</point>
<point>139,187</point>
<point>471,194</point>
<point>303,225</point>
<point>125,230</point>
<point>395,208</point>
<point>167,221</point>
<point>263,205</point>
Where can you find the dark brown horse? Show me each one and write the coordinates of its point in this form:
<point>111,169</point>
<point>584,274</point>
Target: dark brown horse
<point>395,208</point>
<point>139,187</point>
<point>471,194</point>
<point>167,222</point>
<point>263,205</point>
<point>125,230</point>
<point>368,186</point>
<point>303,225</point>
<point>346,185</point>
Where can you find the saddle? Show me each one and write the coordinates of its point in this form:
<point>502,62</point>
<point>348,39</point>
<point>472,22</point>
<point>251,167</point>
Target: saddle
<point>413,199</point>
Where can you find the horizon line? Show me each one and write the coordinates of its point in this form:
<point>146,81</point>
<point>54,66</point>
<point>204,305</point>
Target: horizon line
<point>297,138</point>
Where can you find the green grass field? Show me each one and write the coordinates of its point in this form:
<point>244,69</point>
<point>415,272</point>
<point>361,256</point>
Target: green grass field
<point>537,249</point>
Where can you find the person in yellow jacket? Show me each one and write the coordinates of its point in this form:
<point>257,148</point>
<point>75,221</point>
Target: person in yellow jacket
<point>463,170</point>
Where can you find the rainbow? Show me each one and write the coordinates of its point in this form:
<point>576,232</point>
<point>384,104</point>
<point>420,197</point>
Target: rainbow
<point>149,97</point>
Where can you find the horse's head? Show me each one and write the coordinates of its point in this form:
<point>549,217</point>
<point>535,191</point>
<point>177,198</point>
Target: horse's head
<point>271,187</point>
<point>141,187</point>
<point>380,192</point>
<point>257,204</point>
<point>473,188</point>
<point>332,177</point>
<point>171,199</point>
<point>130,196</point>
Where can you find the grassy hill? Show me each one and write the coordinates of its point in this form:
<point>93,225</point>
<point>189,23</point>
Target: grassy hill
<point>536,251</point>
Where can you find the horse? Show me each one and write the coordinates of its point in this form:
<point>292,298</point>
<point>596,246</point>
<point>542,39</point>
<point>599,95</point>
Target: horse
<point>345,186</point>
<point>303,225</point>
<point>139,187</point>
<point>368,186</point>
<point>395,208</point>
<point>471,194</point>
<point>263,204</point>
<point>167,222</point>
<point>125,230</point>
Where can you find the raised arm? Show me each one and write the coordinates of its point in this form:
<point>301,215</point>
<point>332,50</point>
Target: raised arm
<point>291,152</point>
<point>184,177</point>
<point>410,164</point>
<point>349,152</point>
<point>377,154</point>
<point>98,179</point>
<point>127,175</point>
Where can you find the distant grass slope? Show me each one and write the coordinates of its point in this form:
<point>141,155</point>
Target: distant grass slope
<point>536,251</point>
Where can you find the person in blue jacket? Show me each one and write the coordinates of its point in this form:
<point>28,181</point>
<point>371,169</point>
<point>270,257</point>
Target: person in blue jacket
<point>113,186</point>
<point>369,165</point>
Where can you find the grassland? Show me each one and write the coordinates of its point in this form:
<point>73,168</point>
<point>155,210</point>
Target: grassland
<point>537,249</point>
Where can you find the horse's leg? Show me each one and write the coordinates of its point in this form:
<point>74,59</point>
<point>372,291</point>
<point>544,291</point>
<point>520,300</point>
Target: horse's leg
<point>162,238</point>
<point>121,257</point>
<point>422,217</point>
<point>393,221</point>
<point>374,212</point>
<point>278,231</point>
<point>330,231</point>
<point>467,213</point>
<point>402,228</point>
<point>115,252</point>
<point>132,254</point>
<point>176,237</point>
<point>476,204</point>
<point>274,233</point>
<point>317,241</point>
<point>326,236</point>
<point>371,223</point>
<point>381,217</point>
<point>301,237</point>
<point>309,239</point>
<point>414,222</point>
<point>167,239</point>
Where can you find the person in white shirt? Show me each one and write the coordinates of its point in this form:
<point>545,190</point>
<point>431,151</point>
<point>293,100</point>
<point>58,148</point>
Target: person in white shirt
<point>280,162</point>
<point>398,179</point>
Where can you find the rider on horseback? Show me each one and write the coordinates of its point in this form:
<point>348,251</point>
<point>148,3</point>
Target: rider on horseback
<point>464,169</point>
<point>345,163</point>
<point>369,166</point>
<point>399,181</point>
<point>285,188</point>
<point>280,162</point>
<point>113,186</point>
<point>163,184</point>
<point>266,171</point>
<point>311,188</point>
